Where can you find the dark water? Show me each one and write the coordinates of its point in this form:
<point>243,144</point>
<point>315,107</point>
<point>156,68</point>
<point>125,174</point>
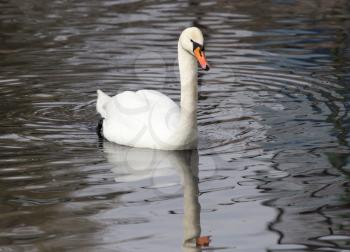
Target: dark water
<point>272,167</point>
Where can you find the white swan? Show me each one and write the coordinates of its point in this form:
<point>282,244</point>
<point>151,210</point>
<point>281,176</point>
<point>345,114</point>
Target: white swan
<point>150,119</point>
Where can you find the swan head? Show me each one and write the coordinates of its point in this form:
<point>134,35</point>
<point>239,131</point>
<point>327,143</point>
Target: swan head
<point>191,40</point>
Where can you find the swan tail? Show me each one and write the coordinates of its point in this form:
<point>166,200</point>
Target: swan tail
<point>102,99</point>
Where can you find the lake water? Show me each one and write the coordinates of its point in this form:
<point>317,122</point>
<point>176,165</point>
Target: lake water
<point>271,172</point>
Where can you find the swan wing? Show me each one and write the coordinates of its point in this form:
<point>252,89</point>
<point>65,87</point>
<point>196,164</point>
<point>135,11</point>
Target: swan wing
<point>141,119</point>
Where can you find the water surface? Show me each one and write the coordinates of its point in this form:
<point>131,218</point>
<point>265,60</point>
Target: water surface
<point>271,172</point>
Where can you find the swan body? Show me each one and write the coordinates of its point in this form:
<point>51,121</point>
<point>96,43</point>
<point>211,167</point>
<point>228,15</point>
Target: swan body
<point>145,119</point>
<point>150,119</point>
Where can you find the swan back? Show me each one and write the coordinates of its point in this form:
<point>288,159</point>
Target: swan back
<point>146,118</point>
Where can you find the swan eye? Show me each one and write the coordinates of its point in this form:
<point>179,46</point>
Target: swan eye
<point>196,45</point>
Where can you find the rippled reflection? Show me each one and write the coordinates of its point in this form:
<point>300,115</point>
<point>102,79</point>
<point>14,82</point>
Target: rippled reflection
<point>156,169</point>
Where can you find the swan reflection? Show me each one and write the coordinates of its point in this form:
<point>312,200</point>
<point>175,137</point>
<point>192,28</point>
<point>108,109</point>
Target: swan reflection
<point>136,164</point>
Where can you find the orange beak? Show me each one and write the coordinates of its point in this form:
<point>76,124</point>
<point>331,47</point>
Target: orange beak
<point>199,54</point>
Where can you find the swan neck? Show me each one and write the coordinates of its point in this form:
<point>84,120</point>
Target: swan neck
<point>189,80</point>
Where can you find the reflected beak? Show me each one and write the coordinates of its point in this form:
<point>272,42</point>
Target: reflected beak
<point>200,56</point>
<point>203,241</point>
